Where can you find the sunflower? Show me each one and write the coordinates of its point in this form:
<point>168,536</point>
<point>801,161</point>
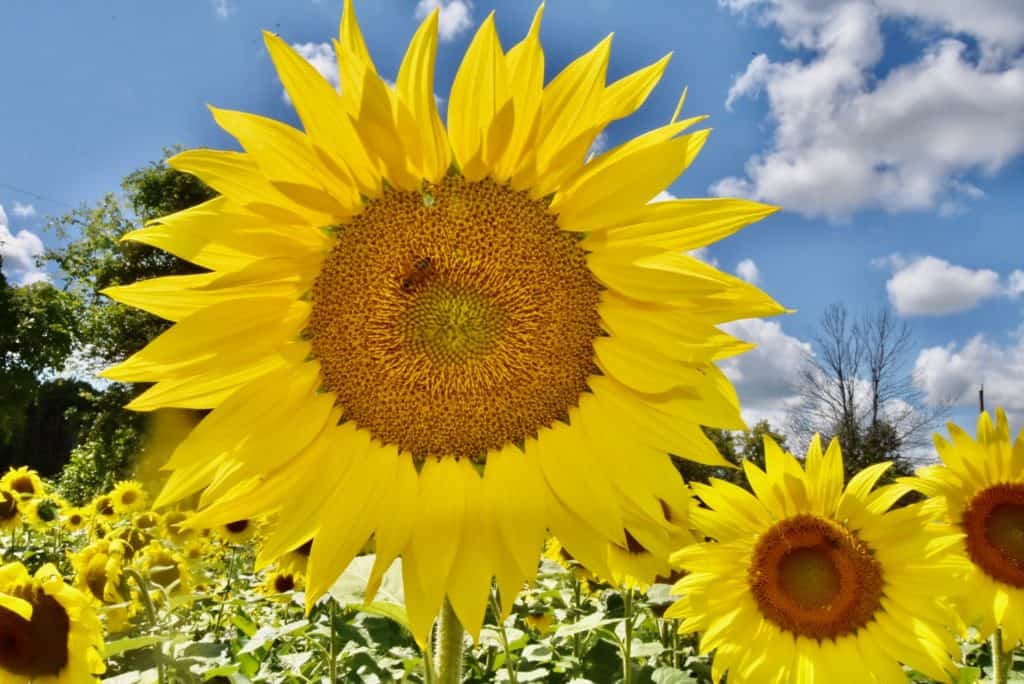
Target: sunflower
<point>295,561</point>
<point>23,481</point>
<point>436,333</point>
<point>42,512</point>
<point>75,518</point>
<point>980,485</point>
<point>50,633</point>
<point>99,568</point>
<point>238,531</point>
<point>806,581</point>
<point>278,582</point>
<point>10,509</point>
<point>174,530</point>
<point>128,496</point>
<point>165,568</point>
<point>103,508</point>
<point>133,539</point>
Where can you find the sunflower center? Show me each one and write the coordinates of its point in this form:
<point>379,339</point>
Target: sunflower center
<point>96,575</point>
<point>284,583</point>
<point>8,506</point>
<point>37,647</point>
<point>165,571</point>
<point>455,321</point>
<point>994,524</point>
<point>129,497</point>
<point>814,578</point>
<point>23,485</point>
<point>238,526</point>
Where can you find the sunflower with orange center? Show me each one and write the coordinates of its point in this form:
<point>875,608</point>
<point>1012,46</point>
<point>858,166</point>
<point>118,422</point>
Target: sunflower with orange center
<point>980,485</point>
<point>450,336</point>
<point>807,581</point>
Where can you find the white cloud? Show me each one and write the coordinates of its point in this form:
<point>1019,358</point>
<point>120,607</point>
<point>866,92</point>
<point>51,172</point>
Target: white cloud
<point>846,141</point>
<point>747,269</point>
<point>23,210</point>
<point>954,373</point>
<point>929,286</point>
<point>223,8</point>
<point>19,251</point>
<point>454,19</point>
<point>765,376</point>
<point>1015,286</point>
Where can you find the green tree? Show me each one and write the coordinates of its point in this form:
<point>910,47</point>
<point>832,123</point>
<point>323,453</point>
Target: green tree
<point>91,258</point>
<point>735,446</point>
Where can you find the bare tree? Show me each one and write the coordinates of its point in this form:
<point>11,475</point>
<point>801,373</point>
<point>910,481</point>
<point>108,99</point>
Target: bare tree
<point>859,388</point>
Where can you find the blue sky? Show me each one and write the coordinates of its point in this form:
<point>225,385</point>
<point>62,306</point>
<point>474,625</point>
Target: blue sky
<point>889,130</point>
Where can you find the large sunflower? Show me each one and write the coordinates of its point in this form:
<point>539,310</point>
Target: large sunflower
<point>808,582</point>
<point>450,338</point>
<point>50,633</point>
<point>980,485</point>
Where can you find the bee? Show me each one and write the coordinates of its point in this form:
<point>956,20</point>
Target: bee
<point>420,272</point>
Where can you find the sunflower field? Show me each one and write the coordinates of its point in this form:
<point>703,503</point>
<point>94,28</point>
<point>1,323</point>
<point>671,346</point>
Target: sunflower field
<point>443,375</point>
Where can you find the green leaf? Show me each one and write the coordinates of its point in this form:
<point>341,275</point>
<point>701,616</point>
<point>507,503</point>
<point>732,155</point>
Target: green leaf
<point>585,624</point>
<point>670,675</point>
<point>119,646</point>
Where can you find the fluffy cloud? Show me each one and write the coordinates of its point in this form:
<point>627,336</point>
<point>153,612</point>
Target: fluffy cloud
<point>19,251</point>
<point>23,210</point>
<point>954,373</point>
<point>845,140</point>
<point>455,17</point>
<point>747,269</point>
<point>223,8</point>
<point>929,286</point>
<point>764,377</point>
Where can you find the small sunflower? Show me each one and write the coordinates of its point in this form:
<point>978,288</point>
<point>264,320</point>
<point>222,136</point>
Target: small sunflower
<point>99,568</point>
<point>806,581</point>
<point>42,512</point>
<point>435,333</point>
<point>150,521</point>
<point>49,632</point>
<point>278,582</point>
<point>165,568</point>
<point>128,496</point>
<point>10,509</point>
<point>133,539</point>
<point>538,619</point>
<point>24,482</point>
<point>174,527</point>
<point>75,518</point>
<point>980,485</point>
<point>103,508</point>
<point>296,560</point>
<point>239,531</point>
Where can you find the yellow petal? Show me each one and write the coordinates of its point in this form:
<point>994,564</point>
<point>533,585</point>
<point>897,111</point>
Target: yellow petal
<point>396,520</point>
<point>514,485</point>
<point>612,191</point>
<point>469,584</point>
<point>526,79</point>
<point>479,91</point>
<point>438,532</point>
<point>323,114</point>
<point>231,334</point>
<point>625,96</point>
<point>415,87</point>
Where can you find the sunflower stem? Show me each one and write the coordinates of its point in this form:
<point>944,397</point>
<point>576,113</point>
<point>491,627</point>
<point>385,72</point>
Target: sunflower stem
<point>147,603</point>
<point>449,645</point>
<point>1000,659</point>
<point>503,635</point>
<point>332,664</point>
<point>627,642</point>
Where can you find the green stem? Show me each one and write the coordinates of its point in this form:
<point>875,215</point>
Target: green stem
<point>227,592</point>
<point>449,646</point>
<point>332,664</point>
<point>147,603</point>
<point>1000,659</point>
<point>674,626</point>
<point>509,667</point>
<point>627,643</point>
<point>577,649</point>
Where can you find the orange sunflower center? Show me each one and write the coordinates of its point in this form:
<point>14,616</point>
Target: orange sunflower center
<point>814,578</point>
<point>38,647</point>
<point>994,524</point>
<point>23,485</point>
<point>284,583</point>
<point>456,320</point>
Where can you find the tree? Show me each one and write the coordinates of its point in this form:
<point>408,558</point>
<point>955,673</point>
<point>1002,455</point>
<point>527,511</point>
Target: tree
<point>92,258</point>
<point>857,388</point>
